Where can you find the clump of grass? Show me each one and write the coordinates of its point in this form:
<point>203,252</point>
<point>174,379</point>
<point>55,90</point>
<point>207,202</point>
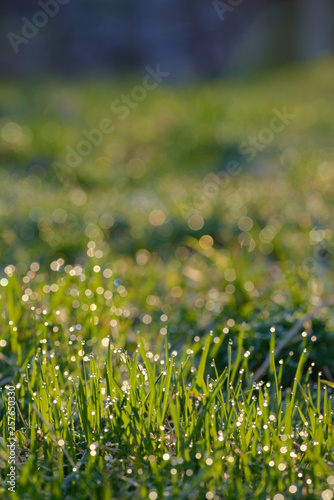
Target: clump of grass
<point>168,425</point>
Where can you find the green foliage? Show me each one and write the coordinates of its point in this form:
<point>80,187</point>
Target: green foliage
<point>141,290</point>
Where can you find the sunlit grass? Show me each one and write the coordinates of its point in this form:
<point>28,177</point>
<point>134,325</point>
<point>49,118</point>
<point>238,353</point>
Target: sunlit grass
<point>141,293</point>
<point>97,422</point>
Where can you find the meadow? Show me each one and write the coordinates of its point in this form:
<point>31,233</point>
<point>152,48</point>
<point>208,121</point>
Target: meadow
<point>166,303</point>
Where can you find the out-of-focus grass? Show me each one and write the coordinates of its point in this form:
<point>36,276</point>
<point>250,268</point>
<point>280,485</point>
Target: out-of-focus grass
<point>148,239</point>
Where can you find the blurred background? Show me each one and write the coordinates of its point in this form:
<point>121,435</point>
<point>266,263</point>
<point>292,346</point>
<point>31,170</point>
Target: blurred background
<point>152,202</point>
<point>190,38</point>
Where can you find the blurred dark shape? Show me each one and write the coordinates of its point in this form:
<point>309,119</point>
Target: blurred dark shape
<point>189,38</point>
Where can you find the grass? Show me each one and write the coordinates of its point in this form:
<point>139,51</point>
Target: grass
<point>136,308</point>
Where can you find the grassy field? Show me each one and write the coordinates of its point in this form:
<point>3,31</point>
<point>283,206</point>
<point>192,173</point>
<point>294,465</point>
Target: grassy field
<point>143,289</point>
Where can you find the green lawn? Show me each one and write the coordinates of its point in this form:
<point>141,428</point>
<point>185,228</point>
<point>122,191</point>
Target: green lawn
<point>142,290</point>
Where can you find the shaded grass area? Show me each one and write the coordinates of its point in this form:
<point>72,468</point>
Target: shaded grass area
<point>115,271</point>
